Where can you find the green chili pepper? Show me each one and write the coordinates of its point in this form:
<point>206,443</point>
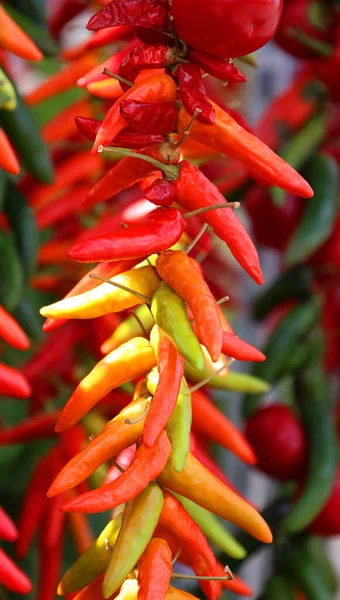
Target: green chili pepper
<point>24,229</point>
<point>292,284</point>
<point>35,31</point>
<point>139,522</point>
<point>171,315</point>
<point>234,382</point>
<point>318,219</point>
<point>300,147</point>
<point>306,573</point>
<point>313,398</point>
<point>317,552</point>
<point>11,275</point>
<point>278,588</point>
<point>213,529</point>
<point>283,341</point>
<point>8,100</point>
<point>23,132</point>
<point>93,562</point>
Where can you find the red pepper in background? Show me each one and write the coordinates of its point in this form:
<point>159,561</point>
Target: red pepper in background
<point>126,139</point>
<point>157,118</point>
<point>37,427</point>
<point>217,67</point>
<point>62,126</point>
<point>11,577</point>
<point>13,383</point>
<point>66,205</point>
<point>193,93</point>
<point>144,57</point>
<point>8,159</point>
<point>143,13</point>
<point>11,332</point>
<point>8,530</point>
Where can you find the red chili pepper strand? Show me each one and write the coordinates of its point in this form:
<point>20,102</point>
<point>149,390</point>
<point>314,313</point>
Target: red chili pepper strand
<point>8,530</point>
<point>13,383</point>
<point>128,138</point>
<point>160,192</point>
<point>34,428</point>
<point>143,13</point>
<point>11,577</point>
<point>147,118</point>
<point>154,570</point>
<point>193,93</point>
<point>148,56</point>
<point>217,67</point>
<point>159,230</point>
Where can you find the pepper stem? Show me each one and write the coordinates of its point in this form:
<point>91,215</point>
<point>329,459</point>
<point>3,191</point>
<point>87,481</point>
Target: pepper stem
<point>222,300</point>
<point>118,77</point>
<point>122,287</point>
<point>228,577</point>
<point>140,323</point>
<point>188,129</point>
<point>176,557</point>
<point>141,417</point>
<point>207,379</point>
<point>170,171</point>
<point>193,213</point>
<point>196,238</point>
<point>115,464</point>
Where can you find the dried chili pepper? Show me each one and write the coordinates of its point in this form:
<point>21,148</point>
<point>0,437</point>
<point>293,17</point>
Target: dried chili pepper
<point>148,56</point>
<point>193,93</point>
<point>147,118</point>
<point>128,138</point>
<point>217,67</point>
<point>139,521</point>
<point>159,230</point>
<point>181,273</point>
<point>142,13</point>
<point>144,468</point>
<point>161,192</point>
<point>154,571</point>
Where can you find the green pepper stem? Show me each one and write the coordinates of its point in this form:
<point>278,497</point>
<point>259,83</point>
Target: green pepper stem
<point>196,238</point>
<point>118,77</point>
<point>140,323</point>
<point>122,287</point>
<point>207,379</point>
<point>199,211</point>
<point>320,47</point>
<point>171,172</point>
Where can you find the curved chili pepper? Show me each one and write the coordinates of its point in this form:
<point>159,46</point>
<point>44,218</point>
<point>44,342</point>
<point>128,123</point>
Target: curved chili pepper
<point>131,360</point>
<point>37,427</point>
<point>14,39</point>
<point>144,13</point>
<point>158,88</point>
<point>161,192</point>
<point>148,56</point>
<point>217,67</point>
<point>13,383</point>
<point>8,530</point>
<point>8,159</point>
<point>209,421</point>
<point>181,273</point>
<point>93,562</point>
<point>170,314</point>
<point>170,372</point>
<point>105,298</point>
<point>199,485</point>
<point>147,118</point>
<point>159,230</point>
<point>139,521</point>
<point>11,577</point>
<point>144,468</point>
<point>227,137</point>
<point>128,138</point>
<point>129,328</point>
<point>154,571</point>
<point>11,332</point>
<point>193,93</point>
<point>117,435</point>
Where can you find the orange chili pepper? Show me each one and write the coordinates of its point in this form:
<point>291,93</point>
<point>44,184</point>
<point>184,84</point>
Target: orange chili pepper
<point>108,89</point>
<point>8,159</point>
<point>199,485</point>
<point>62,125</point>
<point>228,137</point>
<point>14,39</point>
<point>183,274</point>
<point>159,88</point>
<point>154,570</point>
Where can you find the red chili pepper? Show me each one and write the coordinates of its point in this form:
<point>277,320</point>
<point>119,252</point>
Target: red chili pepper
<point>236,348</point>
<point>161,192</point>
<point>11,332</point>
<point>193,93</point>
<point>145,13</point>
<point>11,577</point>
<point>217,67</point>
<point>147,464</point>
<point>128,138</point>
<point>171,368</point>
<point>148,56</point>
<point>13,383</point>
<point>159,230</point>
<point>51,351</point>
<point>154,570</point>
<point>8,530</point>
<point>69,204</point>
<point>148,118</point>
<point>50,560</point>
<point>37,427</point>
<point>8,159</point>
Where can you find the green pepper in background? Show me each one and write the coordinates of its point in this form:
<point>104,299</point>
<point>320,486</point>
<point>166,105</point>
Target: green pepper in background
<point>320,212</point>
<point>233,382</point>
<point>11,274</point>
<point>139,522</point>
<point>34,30</point>
<point>23,226</point>
<point>171,315</point>
<point>21,128</point>
<point>8,100</point>
<point>278,588</point>
<point>92,563</point>
<point>34,9</point>
<point>213,529</point>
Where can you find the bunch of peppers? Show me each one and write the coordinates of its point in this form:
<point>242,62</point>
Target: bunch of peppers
<point>145,205</point>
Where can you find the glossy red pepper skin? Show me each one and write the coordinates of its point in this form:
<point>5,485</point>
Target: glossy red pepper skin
<point>219,68</point>
<point>146,118</point>
<point>148,56</point>
<point>142,13</point>
<point>8,530</point>
<point>161,192</point>
<point>236,348</point>
<point>193,93</point>
<point>154,570</point>
<point>194,191</point>
<point>158,231</point>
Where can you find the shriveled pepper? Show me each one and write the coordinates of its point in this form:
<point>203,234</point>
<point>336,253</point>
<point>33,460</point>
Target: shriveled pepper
<point>158,231</point>
<point>131,360</point>
<point>183,275</point>
<point>147,118</point>
<point>144,468</point>
<point>123,431</point>
<point>231,139</point>
<point>106,298</point>
<point>148,56</point>
<point>90,565</point>
<point>154,570</point>
<point>128,138</point>
<point>161,192</point>
<point>217,67</point>
<point>141,13</point>
<point>159,88</point>
<point>193,93</point>
<point>129,328</point>
<point>199,485</point>
<point>139,522</point>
